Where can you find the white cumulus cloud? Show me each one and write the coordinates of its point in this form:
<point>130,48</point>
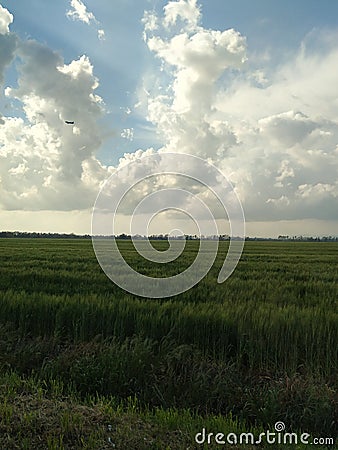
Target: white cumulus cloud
<point>80,13</point>
<point>274,136</point>
<point>6,18</point>
<point>186,10</point>
<point>44,162</point>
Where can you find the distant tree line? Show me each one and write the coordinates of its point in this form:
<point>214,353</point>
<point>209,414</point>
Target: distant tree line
<point>189,237</point>
<point>308,238</point>
<point>33,234</point>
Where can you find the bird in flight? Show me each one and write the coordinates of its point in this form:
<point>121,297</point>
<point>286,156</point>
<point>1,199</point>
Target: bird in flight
<point>68,122</point>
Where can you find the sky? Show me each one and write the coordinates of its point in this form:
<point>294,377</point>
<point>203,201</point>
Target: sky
<point>250,86</point>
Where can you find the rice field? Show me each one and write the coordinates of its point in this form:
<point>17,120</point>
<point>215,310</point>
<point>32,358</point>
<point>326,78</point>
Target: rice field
<point>257,349</point>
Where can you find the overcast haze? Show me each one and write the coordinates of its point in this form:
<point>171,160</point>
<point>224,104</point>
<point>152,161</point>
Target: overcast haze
<point>252,86</point>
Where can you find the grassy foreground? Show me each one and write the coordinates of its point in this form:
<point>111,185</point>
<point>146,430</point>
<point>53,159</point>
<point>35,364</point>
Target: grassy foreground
<point>40,415</point>
<point>85,365</point>
<point>44,415</point>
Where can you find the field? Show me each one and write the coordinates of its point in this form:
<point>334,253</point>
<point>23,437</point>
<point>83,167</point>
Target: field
<point>84,364</point>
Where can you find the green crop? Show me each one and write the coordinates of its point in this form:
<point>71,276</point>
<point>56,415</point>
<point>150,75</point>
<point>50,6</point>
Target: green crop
<point>262,346</point>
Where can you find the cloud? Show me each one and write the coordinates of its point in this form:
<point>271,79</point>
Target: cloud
<point>186,10</point>
<point>195,58</point>
<point>101,34</point>
<point>128,133</point>
<point>149,21</point>
<point>272,131</point>
<point>80,13</point>
<point>45,163</point>
<point>6,18</point>
<point>8,41</point>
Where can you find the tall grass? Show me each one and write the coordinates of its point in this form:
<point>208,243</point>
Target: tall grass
<point>264,340</point>
<point>259,335</point>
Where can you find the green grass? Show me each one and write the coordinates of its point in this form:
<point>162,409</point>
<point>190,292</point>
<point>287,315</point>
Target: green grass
<point>259,348</point>
<point>49,415</point>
